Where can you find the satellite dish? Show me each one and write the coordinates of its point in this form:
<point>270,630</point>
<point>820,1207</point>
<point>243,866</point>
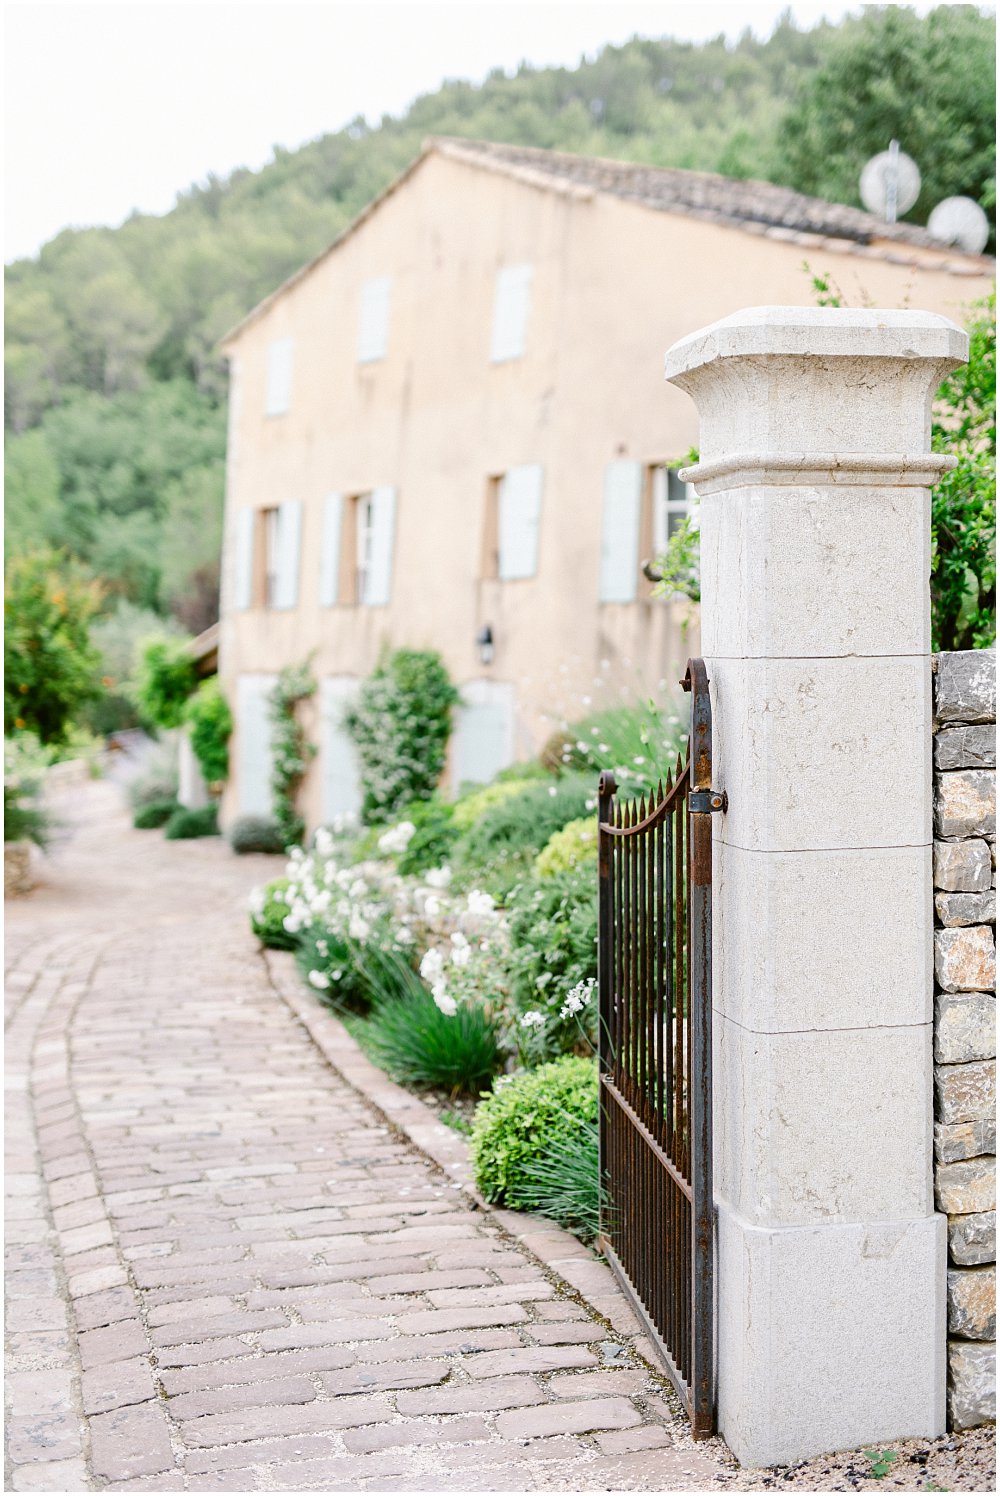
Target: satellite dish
<point>962,222</point>
<point>890,183</point>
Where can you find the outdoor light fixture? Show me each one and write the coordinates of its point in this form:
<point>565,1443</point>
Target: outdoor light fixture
<point>484,643</point>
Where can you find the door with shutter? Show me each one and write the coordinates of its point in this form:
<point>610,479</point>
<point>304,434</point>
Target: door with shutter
<point>378,578</point>
<point>518,521</point>
<point>483,743</point>
<point>620,532</point>
<point>253,743</point>
<point>339,762</point>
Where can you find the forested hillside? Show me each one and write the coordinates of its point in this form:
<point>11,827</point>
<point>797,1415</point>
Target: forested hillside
<point>115,388</point>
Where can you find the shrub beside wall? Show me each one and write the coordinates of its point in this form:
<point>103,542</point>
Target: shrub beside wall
<point>965,1019</point>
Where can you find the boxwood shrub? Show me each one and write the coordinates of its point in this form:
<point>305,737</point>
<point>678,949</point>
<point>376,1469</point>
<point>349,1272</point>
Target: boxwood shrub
<point>256,834</point>
<point>535,1115</point>
<point>156,813</point>
<point>185,824</point>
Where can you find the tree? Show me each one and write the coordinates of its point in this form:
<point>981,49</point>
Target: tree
<point>166,678</point>
<point>926,81</point>
<point>50,664</point>
<point>32,509</point>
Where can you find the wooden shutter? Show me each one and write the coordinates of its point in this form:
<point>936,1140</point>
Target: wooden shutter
<point>620,532</point>
<point>373,322</point>
<point>279,377</point>
<point>518,522</point>
<point>243,589</point>
<point>329,557</point>
<point>286,588</point>
<point>379,585</point>
<point>511,301</point>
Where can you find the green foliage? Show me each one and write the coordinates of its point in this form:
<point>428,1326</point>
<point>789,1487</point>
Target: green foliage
<point>329,962</point>
<point>154,814</point>
<point>964,503</point>
<point>211,722</point>
<point>50,664</point>
<point>553,934</point>
<point>400,725</point>
<point>24,817</point>
<point>564,1183</point>
<point>432,840</point>
<point>166,677</point>
<point>638,742</point>
<point>528,1117</point>
<point>881,1460</point>
<point>186,824</point>
<point>575,845</point>
<point>256,834</point>
<point>891,74</point>
<point>478,801</point>
<point>290,750</point>
<point>268,908</point>
<point>496,853</point>
<point>416,1043</point>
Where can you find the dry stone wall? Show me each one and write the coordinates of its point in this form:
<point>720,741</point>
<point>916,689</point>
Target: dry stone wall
<point>965,1019</point>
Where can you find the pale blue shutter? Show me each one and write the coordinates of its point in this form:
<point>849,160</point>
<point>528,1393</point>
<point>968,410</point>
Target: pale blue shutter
<point>379,585</point>
<point>341,779</point>
<point>329,558</point>
<point>518,522</point>
<point>483,742</point>
<point>286,589</point>
<point>511,301</point>
<point>243,589</point>
<point>620,532</point>
<point>279,377</point>
<point>253,743</point>
<point>373,323</point>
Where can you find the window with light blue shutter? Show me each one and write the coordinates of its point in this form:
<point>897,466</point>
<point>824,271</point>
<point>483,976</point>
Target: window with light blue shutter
<point>378,579</point>
<point>286,590</point>
<point>243,581</point>
<point>511,304</point>
<point>620,532</point>
<point>373,320</point>
<point>518,520</point>
<point>278,394</point>
<point>329,556</point>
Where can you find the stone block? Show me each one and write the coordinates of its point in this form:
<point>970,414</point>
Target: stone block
<point>797,1115</point>
<point>965,686</point>
<point>957,1140</point>
<point>965,803</point>
<point>965,1027</point>
<point>972,1303</point>
<point>966,908</point>
<point>965,959</point>
<point>973,1238</point>
<point>812,758</point>
<point>800,1370</point>
<point>966,747</point>
<point>972,1383</point>
<point>780,961</point>
<point>966,1093</point>
<point>962,867</point>
<point>967,1188</point>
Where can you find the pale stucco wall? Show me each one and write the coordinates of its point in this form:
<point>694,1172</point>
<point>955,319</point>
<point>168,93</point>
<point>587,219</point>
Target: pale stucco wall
<point>614,285</point>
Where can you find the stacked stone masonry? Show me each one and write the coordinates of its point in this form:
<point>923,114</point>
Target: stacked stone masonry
<point>965,1019</point>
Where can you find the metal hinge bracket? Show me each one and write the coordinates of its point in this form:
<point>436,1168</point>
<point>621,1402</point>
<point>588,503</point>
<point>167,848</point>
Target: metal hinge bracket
<point>705,801</point>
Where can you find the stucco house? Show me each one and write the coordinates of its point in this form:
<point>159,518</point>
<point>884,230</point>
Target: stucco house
<point>451,431</point>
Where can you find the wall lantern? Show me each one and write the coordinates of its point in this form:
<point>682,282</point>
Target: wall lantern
<point>484,643</point>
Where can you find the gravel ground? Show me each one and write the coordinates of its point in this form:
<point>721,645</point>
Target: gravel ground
<point>956,1462</point>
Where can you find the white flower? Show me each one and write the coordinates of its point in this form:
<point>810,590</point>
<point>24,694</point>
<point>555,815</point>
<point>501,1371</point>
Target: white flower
<point>480,903</point>
<point>552,789</point>
<point>432,966</point>
<point>448,1005</point>
<point>534,1019</point>
<point>291,924</point>
<point>397,838</point>
<point>577,998</point>
<point>461,955</point>
<point>404,936</point>
<point>319,979</point>
<point>257,901</point>
<point>323,842</point>
<point>320,902</point>
<point>438,877</point>
<point>359,928</point>
<point>432,906</point>
<point>323,947</point>
<point>358,888</point>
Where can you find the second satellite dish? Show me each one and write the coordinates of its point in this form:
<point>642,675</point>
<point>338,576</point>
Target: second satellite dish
<point>890,183</point>
<point>962,222</point>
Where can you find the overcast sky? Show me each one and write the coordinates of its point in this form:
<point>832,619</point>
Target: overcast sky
<point>115,107</point>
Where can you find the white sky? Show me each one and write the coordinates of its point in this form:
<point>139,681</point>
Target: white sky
<point>115,107</point>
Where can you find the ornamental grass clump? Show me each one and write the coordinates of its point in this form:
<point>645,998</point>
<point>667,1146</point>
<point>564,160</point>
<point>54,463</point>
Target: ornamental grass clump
<point>497,852</point>
<point>534,1140</point>
<point>638,743</point>
<point>256,834</point>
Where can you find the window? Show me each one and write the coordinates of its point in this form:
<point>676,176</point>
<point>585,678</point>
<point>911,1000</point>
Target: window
<point>373,321</point>
<point>271,522</point>
<point>356,561</point>
<point>364,537</point>
<point>511,301</point>
<point>279,377</point>
<point>672,503</point>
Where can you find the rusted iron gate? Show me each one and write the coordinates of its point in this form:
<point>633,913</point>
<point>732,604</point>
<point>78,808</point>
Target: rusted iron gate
<point>655,952</point>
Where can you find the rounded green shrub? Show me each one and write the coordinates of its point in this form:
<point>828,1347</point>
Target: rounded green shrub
<point>268,907</point>
<point>211,722</point>
<point>498,851</point>
<point>185,824</point>
<point>527,1118</point>
<point>256,834</point>
<point>576,843</point>
<point>478,802</point>
<point>156,813</point>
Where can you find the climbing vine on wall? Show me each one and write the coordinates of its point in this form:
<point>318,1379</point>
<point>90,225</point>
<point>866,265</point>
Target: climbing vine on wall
<point>291,750</point>
<point>400,725</point>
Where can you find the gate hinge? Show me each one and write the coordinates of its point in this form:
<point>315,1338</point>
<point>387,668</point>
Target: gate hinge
<point>705,801</point>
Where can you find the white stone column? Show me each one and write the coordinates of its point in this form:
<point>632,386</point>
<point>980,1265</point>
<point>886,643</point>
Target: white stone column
<point>814,478</point>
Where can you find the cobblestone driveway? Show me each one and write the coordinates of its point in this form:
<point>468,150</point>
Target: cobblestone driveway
<point>223,1272</point>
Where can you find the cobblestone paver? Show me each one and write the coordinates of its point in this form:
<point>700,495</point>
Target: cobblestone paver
<point>224,1271</point>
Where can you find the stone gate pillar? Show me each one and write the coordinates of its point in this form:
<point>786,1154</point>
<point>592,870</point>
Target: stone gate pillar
<point>814,473</point>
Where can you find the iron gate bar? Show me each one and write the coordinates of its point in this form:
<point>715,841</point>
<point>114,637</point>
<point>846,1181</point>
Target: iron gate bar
<point>654,977</point>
